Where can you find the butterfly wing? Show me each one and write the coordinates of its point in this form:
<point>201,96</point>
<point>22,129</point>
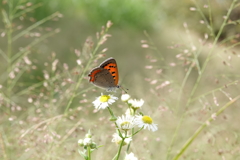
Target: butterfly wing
<point>110,64</point>
<point>102,78</point>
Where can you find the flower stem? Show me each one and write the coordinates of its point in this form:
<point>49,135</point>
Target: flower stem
<point>89,152</point>
<point>137,131</point>
<point>113,117</point>
<point>130,142</point>
<point>120,148</point>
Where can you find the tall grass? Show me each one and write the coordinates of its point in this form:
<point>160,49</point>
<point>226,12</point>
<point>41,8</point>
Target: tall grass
<point>46,106</point>
<point>34,109</point>
<point>16,64</point>
<point>195,95</point>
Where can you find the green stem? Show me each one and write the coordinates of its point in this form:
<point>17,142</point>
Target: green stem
<point>209,24</point>
<point>113,117</point>
<point>89,152</point>
<point>137,131</point>
<point>198,131</point>
<point>35,25</point>
<point>9,46</point>
<point>128,147</point>
<point>174,137</point>
<point>214,90</point>
<point>120,148</point>
<point>26,10</point>
<point>196,61</point>
<point>19,55</point>
<point>210,20</point>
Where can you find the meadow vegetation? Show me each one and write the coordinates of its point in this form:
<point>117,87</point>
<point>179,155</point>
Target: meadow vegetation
<point>182,59</point>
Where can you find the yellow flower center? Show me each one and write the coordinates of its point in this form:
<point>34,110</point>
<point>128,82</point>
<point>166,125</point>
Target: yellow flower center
<point>104,98</point>
<point>147,119</point>
<point>125,123</point>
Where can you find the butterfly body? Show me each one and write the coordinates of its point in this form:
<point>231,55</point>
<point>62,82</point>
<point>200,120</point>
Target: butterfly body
<point>105,75</point>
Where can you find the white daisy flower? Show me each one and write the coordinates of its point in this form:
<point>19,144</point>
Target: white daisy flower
<point>104,101</point>
<point>125,97</point>
<point>130,156</point>
<point>136,104</point>
<point>118,140</point>
<point>146,122</point>
<point>125,122</point>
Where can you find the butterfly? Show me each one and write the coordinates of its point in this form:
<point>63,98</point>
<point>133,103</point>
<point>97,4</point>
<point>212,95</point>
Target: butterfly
<point>105,75</point>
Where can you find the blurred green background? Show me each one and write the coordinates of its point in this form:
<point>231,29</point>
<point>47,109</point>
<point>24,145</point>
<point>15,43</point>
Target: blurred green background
<point>162,20</point>
<point>161,25</point>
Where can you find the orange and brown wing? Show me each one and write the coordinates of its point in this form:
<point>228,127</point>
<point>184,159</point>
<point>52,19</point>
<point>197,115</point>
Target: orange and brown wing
<point>102,78</point>
<point>93,73</point>
<point>110,64</point>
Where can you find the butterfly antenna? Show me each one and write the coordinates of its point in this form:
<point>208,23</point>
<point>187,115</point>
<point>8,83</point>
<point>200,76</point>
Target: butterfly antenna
<point>123,89</point>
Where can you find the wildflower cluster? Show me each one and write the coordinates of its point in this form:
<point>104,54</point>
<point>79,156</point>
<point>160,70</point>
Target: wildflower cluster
<point>131,118</point>
<point>88,145</point>
<point>125,124</point>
